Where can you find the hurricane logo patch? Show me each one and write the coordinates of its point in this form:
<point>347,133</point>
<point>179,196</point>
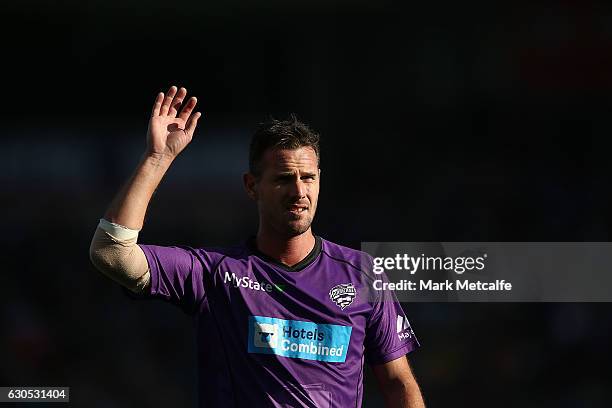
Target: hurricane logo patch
<point>343,294</point>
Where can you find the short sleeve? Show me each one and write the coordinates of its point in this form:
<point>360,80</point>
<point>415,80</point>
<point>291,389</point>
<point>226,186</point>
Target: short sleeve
<point>389,334</point>
<point>177,274</point>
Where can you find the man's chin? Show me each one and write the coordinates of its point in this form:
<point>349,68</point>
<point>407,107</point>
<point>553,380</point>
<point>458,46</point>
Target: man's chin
<point>295,228</point>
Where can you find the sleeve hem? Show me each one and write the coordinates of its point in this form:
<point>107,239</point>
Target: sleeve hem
<point>393,355</point>
<point>152,271</point>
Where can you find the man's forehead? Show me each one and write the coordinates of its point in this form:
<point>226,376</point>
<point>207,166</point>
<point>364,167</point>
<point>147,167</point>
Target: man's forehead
<point>282,159</point>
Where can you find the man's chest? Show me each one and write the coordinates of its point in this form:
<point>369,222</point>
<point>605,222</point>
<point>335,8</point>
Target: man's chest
<point>315,314</point>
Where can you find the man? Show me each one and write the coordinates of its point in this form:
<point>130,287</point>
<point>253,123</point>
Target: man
<point>285,319</point>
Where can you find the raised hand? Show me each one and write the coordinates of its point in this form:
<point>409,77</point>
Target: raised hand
<point>168,133</point>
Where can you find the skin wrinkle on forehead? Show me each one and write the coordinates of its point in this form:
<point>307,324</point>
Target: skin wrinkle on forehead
<point>281,162</point>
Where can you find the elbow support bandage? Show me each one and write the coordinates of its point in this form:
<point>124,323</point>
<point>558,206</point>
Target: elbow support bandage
<point>114,252</point>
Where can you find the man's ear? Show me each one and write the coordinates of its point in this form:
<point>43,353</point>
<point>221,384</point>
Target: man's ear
<point>250,185</point>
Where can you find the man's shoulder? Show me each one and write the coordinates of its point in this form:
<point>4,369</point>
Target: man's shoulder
<point>358,259</point>
<point>187,253</point>
<point>239,250</point>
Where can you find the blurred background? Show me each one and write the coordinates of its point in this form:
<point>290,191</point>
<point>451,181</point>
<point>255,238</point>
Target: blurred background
<point>441,121</point>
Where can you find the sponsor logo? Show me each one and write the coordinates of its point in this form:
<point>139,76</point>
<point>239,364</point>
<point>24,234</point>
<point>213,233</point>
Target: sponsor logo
<point>251,284</point>
<point>298,339</point>
<point>404,331</point>
<point>343,295</point>
<point>266,335</point>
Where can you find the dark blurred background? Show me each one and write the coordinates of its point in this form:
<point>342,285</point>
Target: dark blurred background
<point>441,121</point>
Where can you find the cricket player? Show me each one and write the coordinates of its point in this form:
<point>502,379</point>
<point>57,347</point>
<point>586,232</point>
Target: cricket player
<point>284,319</point>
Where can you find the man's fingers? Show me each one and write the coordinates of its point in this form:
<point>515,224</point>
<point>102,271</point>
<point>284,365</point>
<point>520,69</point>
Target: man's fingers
<point>192,123</point>
<point>176,103</point>
<point>158,103</point>
<point>167,101</point>
<point>188,108</point>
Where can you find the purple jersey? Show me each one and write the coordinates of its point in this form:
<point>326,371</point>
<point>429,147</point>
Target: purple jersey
<point>277,336</point>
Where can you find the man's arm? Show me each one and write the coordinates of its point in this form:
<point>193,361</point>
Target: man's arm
<point>113,248</point>
<point>398,385</point>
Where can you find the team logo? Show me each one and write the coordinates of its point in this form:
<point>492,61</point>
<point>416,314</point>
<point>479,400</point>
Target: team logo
<point>343,294</point>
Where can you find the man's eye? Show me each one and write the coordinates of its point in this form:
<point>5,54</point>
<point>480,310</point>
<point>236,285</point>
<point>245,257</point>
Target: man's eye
<point>308,178</point>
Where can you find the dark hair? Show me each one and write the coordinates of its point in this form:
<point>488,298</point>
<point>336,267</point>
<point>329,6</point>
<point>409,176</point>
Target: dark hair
<point>281,134</point>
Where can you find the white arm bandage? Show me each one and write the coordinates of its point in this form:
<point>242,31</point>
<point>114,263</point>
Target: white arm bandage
<point>114,252</point>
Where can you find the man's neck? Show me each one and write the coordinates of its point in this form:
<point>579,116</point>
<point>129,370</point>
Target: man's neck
<point>288,251</point>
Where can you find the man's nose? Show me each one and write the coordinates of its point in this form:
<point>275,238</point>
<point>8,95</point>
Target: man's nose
<point>298,188</point>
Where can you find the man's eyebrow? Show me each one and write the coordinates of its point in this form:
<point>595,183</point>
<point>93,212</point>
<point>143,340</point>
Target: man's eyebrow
<point>283,174</point>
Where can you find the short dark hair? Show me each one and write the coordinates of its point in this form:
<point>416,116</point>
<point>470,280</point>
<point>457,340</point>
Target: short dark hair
<point>281,134</point>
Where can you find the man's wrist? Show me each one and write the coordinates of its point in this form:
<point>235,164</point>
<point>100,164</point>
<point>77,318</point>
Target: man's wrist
<point>157,160</point>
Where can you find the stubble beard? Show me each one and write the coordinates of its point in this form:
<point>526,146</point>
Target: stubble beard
<point>295,228</point>
<point>289,227</point>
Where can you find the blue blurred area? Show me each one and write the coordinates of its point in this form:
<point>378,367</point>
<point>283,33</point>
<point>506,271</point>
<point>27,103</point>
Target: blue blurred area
<point>439,122</point>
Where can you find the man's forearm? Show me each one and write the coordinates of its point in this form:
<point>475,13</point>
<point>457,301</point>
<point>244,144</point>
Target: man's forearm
<point>129,206</point>
<point>113,249</point>
<point>401,395</point>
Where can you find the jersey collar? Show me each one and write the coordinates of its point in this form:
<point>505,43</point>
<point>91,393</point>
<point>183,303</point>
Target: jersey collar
<point>309,259</point>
